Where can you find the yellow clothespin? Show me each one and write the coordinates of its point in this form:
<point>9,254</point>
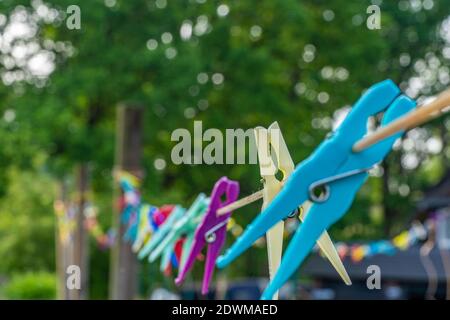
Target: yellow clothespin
<point>266,140</point>
<point>144,229</point>
<point>272,147</point>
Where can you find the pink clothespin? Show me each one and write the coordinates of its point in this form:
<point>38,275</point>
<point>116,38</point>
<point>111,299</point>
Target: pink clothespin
<point>211,231</point>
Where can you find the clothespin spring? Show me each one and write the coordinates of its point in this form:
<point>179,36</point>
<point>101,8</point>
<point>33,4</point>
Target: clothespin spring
<point>296,213</point>
<point>210,235</point>
<point>325,194</point>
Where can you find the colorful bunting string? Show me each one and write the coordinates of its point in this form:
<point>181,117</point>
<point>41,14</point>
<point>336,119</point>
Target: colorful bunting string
<point>65,219</point>
<point>404,240</point>
<point>104,240</point>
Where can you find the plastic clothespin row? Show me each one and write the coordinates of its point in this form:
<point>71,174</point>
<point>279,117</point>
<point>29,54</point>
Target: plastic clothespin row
<point>149,221</point>
<point>133,223</point>
<point>271,145</point>
<point>211,231</point>
<point>171,256</point>
<point>183,227</point>
<point>131,232</point>
<point>162,231</point>
<point>168,259</point>
<point>333,168</point>
<point>144,227</point>
<point>157,219</point>
<point>131,198</point>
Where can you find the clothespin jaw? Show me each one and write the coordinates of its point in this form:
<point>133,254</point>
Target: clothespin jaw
<point>185,226</point>
<point>211,232</point>
<point>327,247</point>
<point>271,146</point>
<point>159,234</point>
<point>334,166</point>
<point>280,151</point>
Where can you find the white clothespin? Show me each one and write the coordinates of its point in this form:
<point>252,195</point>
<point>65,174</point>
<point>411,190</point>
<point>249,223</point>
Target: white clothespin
<point>271,146</point>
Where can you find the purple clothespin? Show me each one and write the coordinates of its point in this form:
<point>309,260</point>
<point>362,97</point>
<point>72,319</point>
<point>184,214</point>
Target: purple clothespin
<point>211,231</point>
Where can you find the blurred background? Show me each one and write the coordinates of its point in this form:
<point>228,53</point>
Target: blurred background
<point>230,64</point>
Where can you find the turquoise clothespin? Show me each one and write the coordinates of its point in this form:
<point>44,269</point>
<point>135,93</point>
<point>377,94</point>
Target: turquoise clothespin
<point>332,168</point>
<point>183,227</point>
<point>132,230</point>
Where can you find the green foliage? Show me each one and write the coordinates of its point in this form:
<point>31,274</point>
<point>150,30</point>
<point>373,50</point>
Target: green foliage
<point>40,285</point>
<point>27,223</point>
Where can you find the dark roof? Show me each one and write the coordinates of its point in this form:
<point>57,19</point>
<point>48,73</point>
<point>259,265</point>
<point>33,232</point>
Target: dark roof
<point>437,196</point>
<point>402,266</point>
<point>442,187</point>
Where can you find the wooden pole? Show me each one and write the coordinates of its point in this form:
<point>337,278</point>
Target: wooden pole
<point>80,235</point>
<point>123,281</point>
<point>60,256</point>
